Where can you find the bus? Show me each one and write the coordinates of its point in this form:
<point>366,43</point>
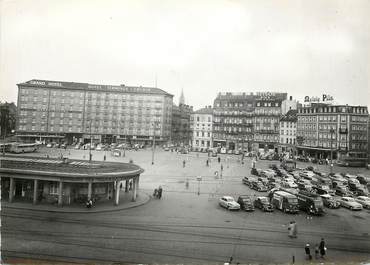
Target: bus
<point>23,148</point>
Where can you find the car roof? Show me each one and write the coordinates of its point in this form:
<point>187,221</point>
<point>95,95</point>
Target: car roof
<point>326,195</point>
<point>347,198</point>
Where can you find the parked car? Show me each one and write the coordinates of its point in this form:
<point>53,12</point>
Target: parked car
<point>264,204</point>
<point>288,184</point>
<point>350,203</point>
<point>330,201</point>
<point>229,203</point>
<point>248,181</point>
<point>246,202</point>
<point>342,191</point>
<point>323,189</point>
<point>259,186</point>
<point>49,145</point>
<point>364,180</point>
<point>364,201</point>
<point>98,148</point>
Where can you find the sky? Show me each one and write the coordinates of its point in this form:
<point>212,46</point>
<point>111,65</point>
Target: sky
<point>304,48</point>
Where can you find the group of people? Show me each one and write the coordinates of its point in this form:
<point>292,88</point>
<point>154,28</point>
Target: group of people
<point>320,250</point>
<point>158,192</point>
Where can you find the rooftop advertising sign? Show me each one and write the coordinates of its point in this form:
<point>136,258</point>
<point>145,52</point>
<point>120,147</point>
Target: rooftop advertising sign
<point>315,99</point>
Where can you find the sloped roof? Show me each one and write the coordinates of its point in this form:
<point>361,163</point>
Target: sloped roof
<point>291,115</point>
<point>204,111</point>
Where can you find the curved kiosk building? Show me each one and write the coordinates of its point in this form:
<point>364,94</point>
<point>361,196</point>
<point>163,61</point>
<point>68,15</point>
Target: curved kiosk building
<point>65,182</point>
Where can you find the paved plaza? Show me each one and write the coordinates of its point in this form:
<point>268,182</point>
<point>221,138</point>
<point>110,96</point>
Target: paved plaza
<point>183,226</point>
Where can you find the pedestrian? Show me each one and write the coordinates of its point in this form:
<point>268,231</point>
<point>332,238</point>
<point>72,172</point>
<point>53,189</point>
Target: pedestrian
<point>308,251</point>
<point>290,229</point>
<point>316,251</point>
<point>183,163</point>
<point>160,192</point>
<point>207,162</point>
<point>222,167</point>
<point>219,159</point>
<point>295,229</point>
<point>130,185</point>
<point>105,157</point>
<point>322,248</point>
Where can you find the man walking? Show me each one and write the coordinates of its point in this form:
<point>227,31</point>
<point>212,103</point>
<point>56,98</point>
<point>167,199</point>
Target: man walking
<point>322,248</point>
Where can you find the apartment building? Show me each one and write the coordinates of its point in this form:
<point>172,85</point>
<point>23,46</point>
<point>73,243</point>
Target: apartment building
<point>343,129</point>
<point>201,127</point>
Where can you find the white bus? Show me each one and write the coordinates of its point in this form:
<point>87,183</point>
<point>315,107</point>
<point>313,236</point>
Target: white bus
<point>23,148</point>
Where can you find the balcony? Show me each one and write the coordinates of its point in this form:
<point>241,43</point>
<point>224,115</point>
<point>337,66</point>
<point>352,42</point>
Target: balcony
<point>343,130</point>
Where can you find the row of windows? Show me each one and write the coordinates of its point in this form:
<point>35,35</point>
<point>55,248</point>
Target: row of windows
<point>287,124</point>
<point>334,109</point>
<point>359,137</point>
<point>266,138</point>
<point>287,141</point>
<point>233,104</point>
<point>202,143</point>
<point>232,129</point>
<point>203,134</point>
<point>232,112</point>
<point>359,127</point>
<point>288,132</point>
<point>267,112</point>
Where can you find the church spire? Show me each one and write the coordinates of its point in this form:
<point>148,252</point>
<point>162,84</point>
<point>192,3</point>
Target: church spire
<point>182,98</point>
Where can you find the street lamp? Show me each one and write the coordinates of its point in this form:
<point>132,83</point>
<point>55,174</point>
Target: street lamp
<point>331,150</point>
<point>199,179</point>
<point>155,123</point>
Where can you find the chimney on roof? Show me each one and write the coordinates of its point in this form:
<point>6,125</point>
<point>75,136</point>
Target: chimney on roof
<point>290,98</point>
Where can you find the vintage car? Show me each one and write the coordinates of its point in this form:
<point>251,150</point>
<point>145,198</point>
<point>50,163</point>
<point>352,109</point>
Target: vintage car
<point>330,201</point>
<point>259,186</point>
<point>229,203</point>
<point>350,203</point>
<point>364,201</point>
<point>264,204</point>
<point>248,180</point>
<point>246,202</point>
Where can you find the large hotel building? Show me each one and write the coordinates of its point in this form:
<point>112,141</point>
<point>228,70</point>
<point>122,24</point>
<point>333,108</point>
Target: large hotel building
<point>53,110</point>
<point>341,129</point>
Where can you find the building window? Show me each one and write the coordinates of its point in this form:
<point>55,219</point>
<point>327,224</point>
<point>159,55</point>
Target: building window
<point>53,188</point>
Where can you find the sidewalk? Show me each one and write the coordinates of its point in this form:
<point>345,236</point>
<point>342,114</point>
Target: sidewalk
<point>107,206</point>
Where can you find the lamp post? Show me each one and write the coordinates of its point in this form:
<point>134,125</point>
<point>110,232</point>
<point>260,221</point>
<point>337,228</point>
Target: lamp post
<point>155,123</point>
<point>331,150</point>
<point>199,179</point>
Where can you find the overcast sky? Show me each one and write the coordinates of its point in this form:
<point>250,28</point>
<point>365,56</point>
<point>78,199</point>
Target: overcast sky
<point>205,47</point>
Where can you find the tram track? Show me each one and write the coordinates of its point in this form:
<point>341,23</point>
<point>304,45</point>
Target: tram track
<point>131,225</point>
<point>184,230</point>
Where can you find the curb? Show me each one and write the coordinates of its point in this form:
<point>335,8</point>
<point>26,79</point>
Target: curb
<point>113,209</point>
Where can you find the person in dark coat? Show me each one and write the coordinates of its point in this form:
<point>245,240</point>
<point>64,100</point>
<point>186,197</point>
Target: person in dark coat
<point>322,248</point>
<point>159,192</point>
<point>219,159</point>
<point>308,251</point>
